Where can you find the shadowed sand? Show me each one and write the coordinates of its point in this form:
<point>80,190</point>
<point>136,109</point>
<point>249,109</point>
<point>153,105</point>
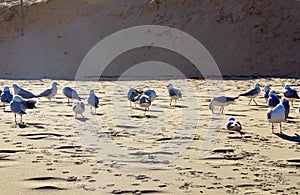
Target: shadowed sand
<point>121,150</point>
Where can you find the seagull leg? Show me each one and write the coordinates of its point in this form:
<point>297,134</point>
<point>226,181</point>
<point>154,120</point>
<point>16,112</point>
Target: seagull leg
<point>222,109</point>
<point>82,116</point>
<point>91,109</point>
<point>171,102</point>
<point>272,127</point>
<point>292,104</point>
<point>280,128</point>
<point>15,118</point>
<point>255,101</point>
<point>250,101</point>
<point>21,119</point>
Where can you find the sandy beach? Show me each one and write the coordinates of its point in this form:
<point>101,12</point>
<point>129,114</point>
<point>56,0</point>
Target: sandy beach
<point>120,150</point>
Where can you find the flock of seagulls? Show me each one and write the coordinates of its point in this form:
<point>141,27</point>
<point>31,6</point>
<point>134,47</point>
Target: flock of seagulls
<point>278,111</point>
<point>145,97</point>
<point>24,99</point>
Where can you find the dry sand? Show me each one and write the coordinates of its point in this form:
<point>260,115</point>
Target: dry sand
<point>51,154</point>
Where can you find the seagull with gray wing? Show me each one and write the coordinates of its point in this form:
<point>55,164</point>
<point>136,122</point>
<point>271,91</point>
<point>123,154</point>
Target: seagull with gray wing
<point>50,93</point>
<point>175,94</point>
<point>252,93</point>
<point>22,92</point>
<point>221,101</point>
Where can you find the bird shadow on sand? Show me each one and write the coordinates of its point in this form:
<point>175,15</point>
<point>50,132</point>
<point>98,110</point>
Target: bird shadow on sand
<point>295,138</point>
<point>143,116</point>
<point>82,119</point>
<point>243,115</point>
<point>22,125</point>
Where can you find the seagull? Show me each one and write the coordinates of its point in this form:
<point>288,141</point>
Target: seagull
<point>78,107</point>
<point>151,94</point>
<point>19,106</point>
<point>278,114</point>
<point>93,100</point>
<point>273,99</point>
<point>70,94</point>
<point>233,124</point>
<point>22,92</point>
<point>290,94</point>
<point>267,90</point>
<point>253,93</point>
<point>50,93</point>
<point>221,101</point>
<point>286,105</point>
<point>145,102</point>
<point>6,96</point>
<point>133,95</point>
<point>175,94</point>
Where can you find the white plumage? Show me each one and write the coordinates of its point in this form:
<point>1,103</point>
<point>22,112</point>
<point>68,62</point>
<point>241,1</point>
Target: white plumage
<point>78,107</point>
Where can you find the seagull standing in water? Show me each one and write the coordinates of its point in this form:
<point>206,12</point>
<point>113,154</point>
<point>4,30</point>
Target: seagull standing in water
<point>93,100</point>
<point>78,107</point>
<point>273,99</point>
<point>70,94</point>
<point>6,96</point>
<point>278,114</point>
<point>133,95</point>
<point>253,93</point>
<point>50,93</point>
<point>19,106</point>
<point>221,101</point>
<point>175,94</point>
<point>22,92</point>
<point>290,94</point>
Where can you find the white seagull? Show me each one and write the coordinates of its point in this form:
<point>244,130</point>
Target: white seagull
<point>290,94</point>
<point>78,107</point>
<point>175,94</point>
<point>145,102</point>
<point>22,92</point>
<point>19,106</point>
<point>221,101</point>
<point>233,124</point>
<point>93,100</point>
<point>278,115</point>
<point>253,93</point>
<point>50,93</point>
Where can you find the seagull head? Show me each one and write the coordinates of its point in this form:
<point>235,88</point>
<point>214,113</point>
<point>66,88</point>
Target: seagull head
<point>272,92</point>
<point>231,119</point>
<point>6,89</point>
<point>287,86</point>
<point>15,86</point>
<point>92,92</point>
<point>55,84</point>
<point>18,99</point>
<point>170,85</point>
<point>267,88</point>
<point>257,85</point>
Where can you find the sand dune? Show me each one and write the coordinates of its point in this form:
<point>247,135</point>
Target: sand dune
<point>122,151</point>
